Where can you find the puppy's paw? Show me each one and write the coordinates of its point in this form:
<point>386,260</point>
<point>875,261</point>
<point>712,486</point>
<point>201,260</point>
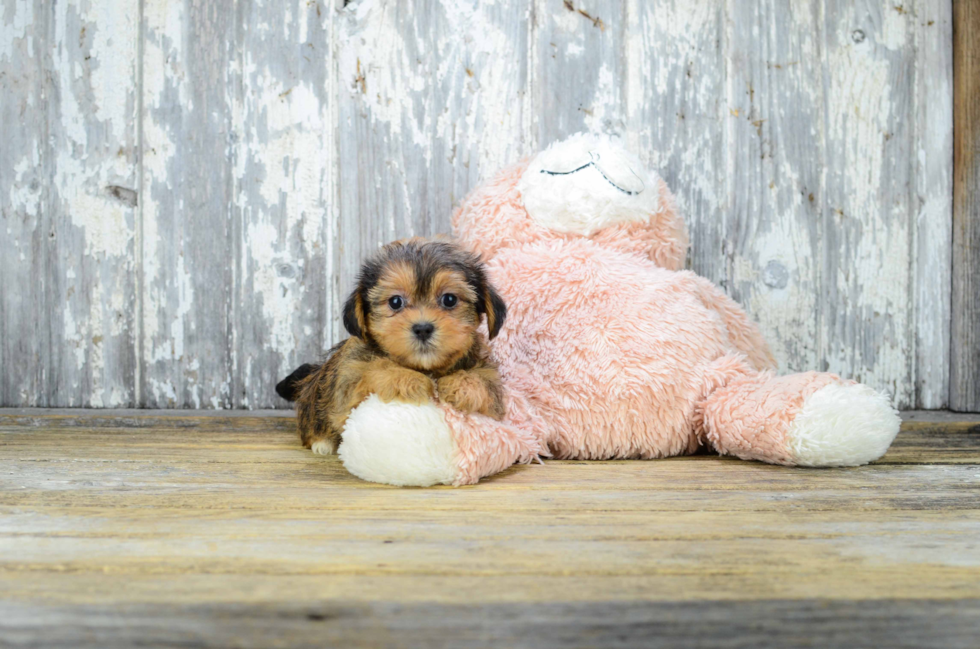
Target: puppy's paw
<point>324,447</point>
<point>403,385</point>
<point>467,393</point>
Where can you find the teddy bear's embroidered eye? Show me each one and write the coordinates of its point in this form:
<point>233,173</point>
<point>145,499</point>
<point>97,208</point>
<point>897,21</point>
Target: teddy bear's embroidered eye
<point>448,301</point>
<point>396,302</point>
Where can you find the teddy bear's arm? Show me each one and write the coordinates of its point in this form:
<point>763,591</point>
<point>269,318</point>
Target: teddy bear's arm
<point>421,445</point>
<point>743,334</point>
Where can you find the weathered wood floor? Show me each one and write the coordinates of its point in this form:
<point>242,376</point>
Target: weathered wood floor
<point>218,530</point>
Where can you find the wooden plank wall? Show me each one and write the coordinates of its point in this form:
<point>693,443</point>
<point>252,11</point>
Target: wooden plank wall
<point>965,365</point>
<point>187,186</point>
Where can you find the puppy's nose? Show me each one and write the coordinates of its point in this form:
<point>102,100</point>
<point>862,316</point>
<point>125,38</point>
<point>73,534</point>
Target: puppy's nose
<point>423,330</point>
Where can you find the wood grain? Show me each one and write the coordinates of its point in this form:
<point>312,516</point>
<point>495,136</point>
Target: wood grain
<point>23,163</point>
<point>191,186</point>
<point>189,237</point>
<point>865,327</point>
<point>677,112</point>
<point>965,344</point>
<point>772,243</point>
<point>578,69</point>
<point>285,195</point>
<point>432,98</point>
<point>69,84</point>
<point>903,624</point>
<point>933,202</point>
<point>239,177</point>
<point>209,531</point>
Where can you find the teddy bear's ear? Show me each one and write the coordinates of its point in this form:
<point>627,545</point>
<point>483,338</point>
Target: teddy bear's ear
<point>493,305</point>
<point>355,319</point>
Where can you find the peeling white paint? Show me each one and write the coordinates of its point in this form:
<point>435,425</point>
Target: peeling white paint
<point>24,194</point>
<point>894,31</point>
<point>874,273</point>
<point>492,94</point>
<point>605,105</point>
<point>73,338</point>
<point>105,221</point>
<point>113,29</point>
<point>373,35</point>
<point>932,227</point>
<point>277,303</point>
<point>19,26</point>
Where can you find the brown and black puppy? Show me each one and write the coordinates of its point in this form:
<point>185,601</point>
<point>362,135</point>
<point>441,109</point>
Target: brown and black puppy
<point>413,321</point>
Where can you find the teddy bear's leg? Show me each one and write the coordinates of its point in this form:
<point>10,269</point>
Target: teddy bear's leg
<point>809,419</point>
<point>423,445</point>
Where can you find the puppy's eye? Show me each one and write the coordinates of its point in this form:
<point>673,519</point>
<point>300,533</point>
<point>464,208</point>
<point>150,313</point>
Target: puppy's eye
<point>396,302</point>
<point>448,301</point>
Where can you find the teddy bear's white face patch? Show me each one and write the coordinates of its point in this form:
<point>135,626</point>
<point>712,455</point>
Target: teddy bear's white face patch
<point>585,183</point>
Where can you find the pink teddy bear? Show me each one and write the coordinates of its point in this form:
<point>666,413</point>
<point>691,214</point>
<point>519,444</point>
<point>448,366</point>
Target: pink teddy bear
<point>609,349</point>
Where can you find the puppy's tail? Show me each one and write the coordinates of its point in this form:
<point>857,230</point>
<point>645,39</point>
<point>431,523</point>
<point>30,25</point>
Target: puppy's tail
<point>289,387</point>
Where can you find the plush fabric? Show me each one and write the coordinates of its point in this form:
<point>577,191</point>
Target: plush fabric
<point>610,351</point>
<point>493,217</point>
<point>813,438</point>
<point>585,184</point>
<point>399,444</point>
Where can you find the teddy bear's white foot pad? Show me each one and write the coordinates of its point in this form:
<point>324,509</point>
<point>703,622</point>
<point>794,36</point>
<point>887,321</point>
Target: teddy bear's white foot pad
<point>843,425</point>
<point>399,444</point>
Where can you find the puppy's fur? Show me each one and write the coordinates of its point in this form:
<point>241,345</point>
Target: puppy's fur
<point>413,321</point>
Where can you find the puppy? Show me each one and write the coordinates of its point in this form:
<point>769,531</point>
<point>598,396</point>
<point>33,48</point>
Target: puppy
<point>413,321</point>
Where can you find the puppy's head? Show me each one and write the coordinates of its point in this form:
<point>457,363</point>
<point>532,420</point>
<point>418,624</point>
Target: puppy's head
<point>421,301</point>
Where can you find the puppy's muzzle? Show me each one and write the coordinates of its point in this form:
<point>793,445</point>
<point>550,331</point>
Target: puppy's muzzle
<point>423,331</point>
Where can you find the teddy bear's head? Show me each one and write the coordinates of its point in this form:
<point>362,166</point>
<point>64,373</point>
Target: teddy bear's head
<point>582,187</point>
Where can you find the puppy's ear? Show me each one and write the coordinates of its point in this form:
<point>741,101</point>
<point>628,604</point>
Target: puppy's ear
<point>494,307</point>
<point>355,319</point>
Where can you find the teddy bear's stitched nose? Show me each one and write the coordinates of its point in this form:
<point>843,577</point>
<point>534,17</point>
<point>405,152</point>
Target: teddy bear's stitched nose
<point>616,171</point>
